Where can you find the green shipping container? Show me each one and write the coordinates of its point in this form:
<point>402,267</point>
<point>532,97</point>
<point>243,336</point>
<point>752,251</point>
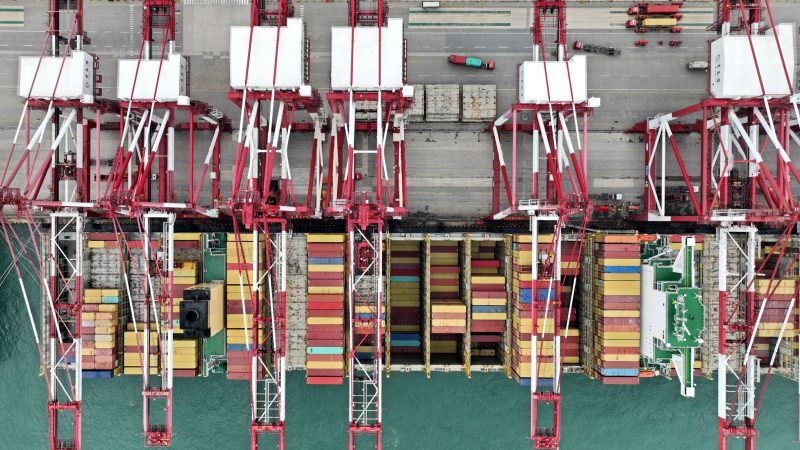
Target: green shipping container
<point>473,62</point>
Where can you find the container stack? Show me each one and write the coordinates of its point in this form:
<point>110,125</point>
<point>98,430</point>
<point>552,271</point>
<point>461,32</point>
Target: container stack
<point>238,307</point>
<point>137,272</point>
<point>616,308</point>
<point>325,338</point>
<point>133,350</point>
<point>488,300</point>
<point>185,274</point>
<point>521,303</point>
<point>783,290</point>
<point>478,102</point>
<point>104,260</point>
<point>776,308</point>
<point>448,311</point>
<point>99,329</point>
<point>547,292</point>
<point>404,297</point>
<point>442,102</point>
<point>570,325</point>
<point>185,357</point>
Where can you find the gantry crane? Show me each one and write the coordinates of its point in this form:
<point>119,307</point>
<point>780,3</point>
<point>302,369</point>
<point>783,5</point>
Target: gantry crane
<point>746,120</point>
<point>61,108</point>
<point>153,90</point>
<point>269,77</point>
<point>552,90</point>
<point>368,101</point>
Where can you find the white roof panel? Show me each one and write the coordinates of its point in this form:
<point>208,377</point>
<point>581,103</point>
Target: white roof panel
<point>75,83</point>
<point>733,71</point>
<point>535,87</point>
<point>290,73</point>
<point>172,80</point>
<point>366,57</point>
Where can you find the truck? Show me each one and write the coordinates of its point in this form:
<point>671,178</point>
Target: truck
<point>461,60</point>
<point>643,24</point>
<point>697,65</point>
<point>654,9</point>
<point>578,45</point>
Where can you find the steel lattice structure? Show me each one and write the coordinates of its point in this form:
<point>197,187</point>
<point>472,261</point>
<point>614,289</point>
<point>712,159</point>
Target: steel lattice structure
<point>369,101</point>
<point>66,119</point>
<point>741,135</point>
<point>121,194</point>
<point>150,99</point>
<point>558,124</point>
<point>263,197</point>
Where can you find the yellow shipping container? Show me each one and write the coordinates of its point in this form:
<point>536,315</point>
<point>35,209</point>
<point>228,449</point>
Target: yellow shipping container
<point>488,316</point>
<point>330,238</point>
<point>619,335</point>
<point>187,236</point>
<point>449,322</point>
<point>138,371</point>
<point>325,364</point>
<point>488,301</point>
<point>326,290</point>
<point>325,321</point>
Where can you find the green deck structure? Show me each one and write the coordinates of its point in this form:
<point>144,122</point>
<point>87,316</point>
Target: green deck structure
<point>672,312</point>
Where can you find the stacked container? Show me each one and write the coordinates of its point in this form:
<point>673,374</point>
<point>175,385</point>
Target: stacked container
<point>99,329</point>
<point>325,338</point>
<point>404,296</point>
<point>185,357</point>
<point>238,306</point>
<point>133,350</point>
<point>184,275</point>
<point>617,290</point>
<point>570,327</point>
<point>448,311</point>
<point>488,295</point>
<point>783,290</point>
<point>547,291</point>
<point>521,303</point>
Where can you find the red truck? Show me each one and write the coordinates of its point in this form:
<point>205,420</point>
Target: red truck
<point>461,60</point>
<point>654,8</point>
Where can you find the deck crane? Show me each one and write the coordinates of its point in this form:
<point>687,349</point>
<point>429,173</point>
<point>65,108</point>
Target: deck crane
<point>154,102</point>
<point>269,80</point>
<point>61,109</point>
<point>747,117</point>
<point>553,95</point>
<point>368,103</point>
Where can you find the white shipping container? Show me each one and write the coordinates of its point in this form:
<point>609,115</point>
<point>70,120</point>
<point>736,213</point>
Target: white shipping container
<point>733,71</point>
<point>76,81</point>
<point>290,73</point>
<point>533,85</point>
<point>366,57</point>
<point>172,81</point>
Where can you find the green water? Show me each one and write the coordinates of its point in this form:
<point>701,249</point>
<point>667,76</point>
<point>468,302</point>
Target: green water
<point>446,412</point>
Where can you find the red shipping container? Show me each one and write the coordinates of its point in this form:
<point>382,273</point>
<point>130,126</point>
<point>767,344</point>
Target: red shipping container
<point>486,338</point>
<point>323,246</point>
<point>326,313</point>
<point>325,328</point>
<point>326,276</point>
<point>445,295</point>
<point>324,342</point>
<point>325,305</point>
<point>618,380</point>
<point>323,380</point>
